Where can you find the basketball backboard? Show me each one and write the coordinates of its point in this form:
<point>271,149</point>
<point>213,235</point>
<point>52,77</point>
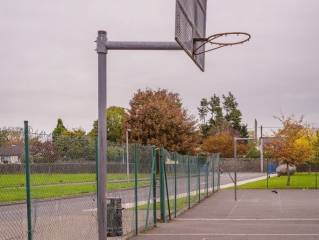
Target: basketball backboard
<point>190,24</point>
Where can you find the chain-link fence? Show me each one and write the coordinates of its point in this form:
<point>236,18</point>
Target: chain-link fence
<point>48,186</point>
<point>63,187</point>
<point>185,181</point>
<point>13,216</point>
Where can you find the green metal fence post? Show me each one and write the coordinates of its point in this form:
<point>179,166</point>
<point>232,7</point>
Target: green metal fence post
<point>167,193</point>
<point>267,175</point>
<point>175,183</point>
<point>135,188</point>
<point>198,168</point>
<point>207,177</point>
<point>213,174</point>
<point>150,190</point>
<point>154,185</point>
<point>218,174</point>
<point>188,183</point>
<point>27,176</point>
<point>162,187</point>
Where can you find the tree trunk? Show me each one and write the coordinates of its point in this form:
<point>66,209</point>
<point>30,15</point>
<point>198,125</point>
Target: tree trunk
<point>288,175</point>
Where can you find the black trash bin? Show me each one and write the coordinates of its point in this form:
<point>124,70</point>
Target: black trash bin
<point>114,217</point>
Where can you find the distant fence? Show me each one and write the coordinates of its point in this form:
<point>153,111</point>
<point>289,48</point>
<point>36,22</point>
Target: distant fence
<point>243,164</point>
<point>253,165</point>
<point>64,167</point>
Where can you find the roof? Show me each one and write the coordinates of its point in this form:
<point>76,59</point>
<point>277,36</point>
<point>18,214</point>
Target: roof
<point>14,150</point>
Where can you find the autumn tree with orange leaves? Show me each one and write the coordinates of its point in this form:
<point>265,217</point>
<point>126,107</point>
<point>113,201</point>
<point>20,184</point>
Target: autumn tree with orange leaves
<point>157,117</point>
<point>294,143</point>
<point>223,143</point>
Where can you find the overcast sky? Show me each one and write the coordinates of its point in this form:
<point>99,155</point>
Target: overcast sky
<point>48,66</point>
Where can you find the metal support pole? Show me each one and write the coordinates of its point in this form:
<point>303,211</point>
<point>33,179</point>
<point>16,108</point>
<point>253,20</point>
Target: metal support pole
<point>175,184</point>
<point>127,157</point>
<point>198,168</point>
<point>27,176</point>
<point>255,133</point>
<point>162,187</point>
<point>207,172</point>
<point>97,163</point>
<point>235,157</point>
<point>218,176</point>
<point>154,185</point>
<point>119,45</point>
<point>136,161</point>
<point>267,174</point>
<point>101,204</point>
<point>167,193</point>
<point>188,183</point>
<point>261,150</point>
<point>213,174</point>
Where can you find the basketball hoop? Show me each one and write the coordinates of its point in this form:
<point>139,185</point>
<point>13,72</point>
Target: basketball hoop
<point>216,42</point>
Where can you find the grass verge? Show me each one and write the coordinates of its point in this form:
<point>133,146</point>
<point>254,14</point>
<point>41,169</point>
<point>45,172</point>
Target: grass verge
<point>49,186</point>
<point>298,181</point>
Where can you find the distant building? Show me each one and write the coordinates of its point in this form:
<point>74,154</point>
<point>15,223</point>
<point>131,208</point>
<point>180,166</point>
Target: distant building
<point>11,154</point>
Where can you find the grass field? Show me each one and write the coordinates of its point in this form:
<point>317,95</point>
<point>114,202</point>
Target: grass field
<point>46,186</point>
<point>298,181</point>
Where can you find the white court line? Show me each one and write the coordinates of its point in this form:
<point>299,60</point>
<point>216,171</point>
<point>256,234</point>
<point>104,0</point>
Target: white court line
<point>229,234</point>
<point>247,219</point>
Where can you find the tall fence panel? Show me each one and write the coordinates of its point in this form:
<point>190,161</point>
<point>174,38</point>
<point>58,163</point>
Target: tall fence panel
<point>13,214</point>
<point>63,198</point>
<point>48,186</point>
<point>186,181</point>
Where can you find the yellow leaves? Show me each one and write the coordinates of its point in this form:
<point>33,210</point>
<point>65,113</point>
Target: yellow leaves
<point>295,142</point>
<point>302,149</point>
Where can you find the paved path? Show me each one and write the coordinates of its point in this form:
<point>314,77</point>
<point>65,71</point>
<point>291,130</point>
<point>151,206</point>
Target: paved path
<point>257,215</point>
<point>53,218</point>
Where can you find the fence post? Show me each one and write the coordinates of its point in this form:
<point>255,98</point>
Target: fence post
<point>27,177</point>
<point>154,184</point>
<point>198,168</point>
<point>213,173</point>
<point>162,187</point>
<point>188,183</point>
<point>267,175</point>
<point>218,173</point>
<point>135,188</point>
<point>175,183</point>
<point>207,178</point>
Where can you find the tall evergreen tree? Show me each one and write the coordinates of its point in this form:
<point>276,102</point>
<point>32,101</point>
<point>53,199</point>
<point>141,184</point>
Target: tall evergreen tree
<point>216,111</point>
<point>243,131</point>
<point>203,110</point>
<point>232,113</point>
<point>59,130</point>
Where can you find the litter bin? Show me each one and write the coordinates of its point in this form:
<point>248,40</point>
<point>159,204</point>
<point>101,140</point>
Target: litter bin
<point>114,217</point>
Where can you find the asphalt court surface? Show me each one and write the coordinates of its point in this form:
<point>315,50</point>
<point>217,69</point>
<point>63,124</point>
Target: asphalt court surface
<point>257,215</point>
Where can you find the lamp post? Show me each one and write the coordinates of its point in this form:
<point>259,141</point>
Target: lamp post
<point>127,156</point>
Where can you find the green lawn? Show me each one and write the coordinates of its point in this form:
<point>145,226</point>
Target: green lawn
<point>298,181</point>
<point>46,186</point>
<point>18,180</point>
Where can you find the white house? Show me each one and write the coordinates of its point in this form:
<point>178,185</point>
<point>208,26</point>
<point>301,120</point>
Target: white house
<point>11,154</point>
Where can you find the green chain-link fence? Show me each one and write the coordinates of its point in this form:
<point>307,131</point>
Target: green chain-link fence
<point>48,186</point>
